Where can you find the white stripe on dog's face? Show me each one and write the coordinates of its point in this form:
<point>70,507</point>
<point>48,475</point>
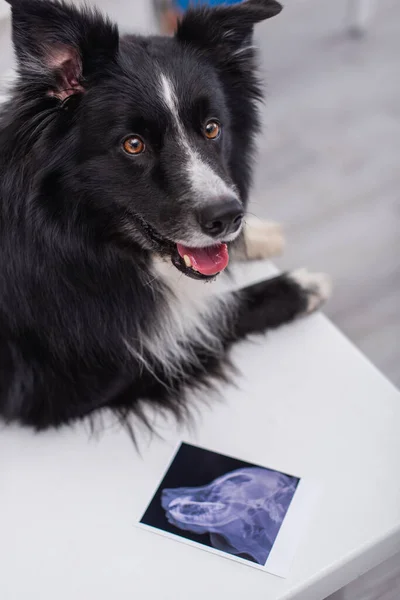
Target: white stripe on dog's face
<point>206,185</point>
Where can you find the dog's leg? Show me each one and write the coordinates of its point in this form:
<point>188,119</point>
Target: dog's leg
<point>260,239</point>
<point>277,301</point>
<point>259,307</point>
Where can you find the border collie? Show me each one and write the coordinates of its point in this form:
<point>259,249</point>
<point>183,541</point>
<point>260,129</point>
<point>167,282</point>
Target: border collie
<point>125,167</point>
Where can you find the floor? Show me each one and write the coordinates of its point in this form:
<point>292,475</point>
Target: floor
<point>329,162</point>
<point>382,583</point>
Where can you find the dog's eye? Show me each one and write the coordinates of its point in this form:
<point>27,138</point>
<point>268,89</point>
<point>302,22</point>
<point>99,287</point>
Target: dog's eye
<point>134,145</point>
<point>212,130</point>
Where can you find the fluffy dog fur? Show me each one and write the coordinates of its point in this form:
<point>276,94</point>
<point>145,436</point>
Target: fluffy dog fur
<point>97,308</point>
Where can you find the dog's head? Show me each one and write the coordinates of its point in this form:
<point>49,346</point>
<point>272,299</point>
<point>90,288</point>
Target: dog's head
<point>153,136</point>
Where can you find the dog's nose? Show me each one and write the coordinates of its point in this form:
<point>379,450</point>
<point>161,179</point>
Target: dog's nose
<point>221,218</point>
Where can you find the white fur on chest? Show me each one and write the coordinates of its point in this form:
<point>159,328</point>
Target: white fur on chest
<point>194,315</point>
<point>191,297</point>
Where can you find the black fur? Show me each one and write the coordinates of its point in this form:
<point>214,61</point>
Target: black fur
<point>80,221</point>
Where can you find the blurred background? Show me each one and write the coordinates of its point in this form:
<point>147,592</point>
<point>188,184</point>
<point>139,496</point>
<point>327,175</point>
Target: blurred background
<point>329,161</point>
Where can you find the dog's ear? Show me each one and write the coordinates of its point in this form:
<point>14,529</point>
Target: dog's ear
<point>61,45</point>
<point>225,28</point>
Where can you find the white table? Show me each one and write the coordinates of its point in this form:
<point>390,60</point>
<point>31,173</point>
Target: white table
<point>309,404</point>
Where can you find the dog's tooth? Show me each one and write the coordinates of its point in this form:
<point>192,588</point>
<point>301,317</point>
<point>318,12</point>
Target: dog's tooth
<point>187,260</point>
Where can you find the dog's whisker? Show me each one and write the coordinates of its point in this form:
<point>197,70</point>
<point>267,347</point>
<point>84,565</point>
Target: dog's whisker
<point>152,280</point>
<point>251,214</point>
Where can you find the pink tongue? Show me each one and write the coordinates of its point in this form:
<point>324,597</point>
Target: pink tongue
<point>208,261</point>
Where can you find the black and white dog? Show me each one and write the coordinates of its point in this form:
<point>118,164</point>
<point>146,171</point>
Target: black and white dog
<point>125,169</point>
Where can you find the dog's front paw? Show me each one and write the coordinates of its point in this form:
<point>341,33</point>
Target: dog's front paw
<point>317,287</point>
<point>263,239</point>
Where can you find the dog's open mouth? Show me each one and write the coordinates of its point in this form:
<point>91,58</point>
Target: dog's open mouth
<point>198,263</point>
<point>207,261</point>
